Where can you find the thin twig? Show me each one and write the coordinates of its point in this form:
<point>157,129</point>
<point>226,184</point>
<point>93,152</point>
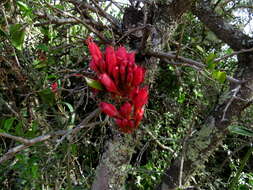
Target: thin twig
<point>157,141</point>
<point>233,54</point>
<point>29,142</point>
<point>83,21</point>
<point>199,65</point>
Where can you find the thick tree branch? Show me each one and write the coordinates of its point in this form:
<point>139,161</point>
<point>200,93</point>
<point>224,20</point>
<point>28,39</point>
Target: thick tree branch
<point>236,39</point>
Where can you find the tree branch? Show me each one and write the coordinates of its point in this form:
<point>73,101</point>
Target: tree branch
<point>30,142</point>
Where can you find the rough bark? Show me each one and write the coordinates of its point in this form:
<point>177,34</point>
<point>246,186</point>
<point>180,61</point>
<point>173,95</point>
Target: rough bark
<point>203,143</point>
<point>113,166</point>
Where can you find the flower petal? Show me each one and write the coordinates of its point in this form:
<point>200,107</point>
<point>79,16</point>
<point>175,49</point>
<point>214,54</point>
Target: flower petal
<point>110,58</point>
<point>125,110</point>
<point>108,83</point>
<point>109,109</point>
<point>138,76</point>
<point>141,98</point>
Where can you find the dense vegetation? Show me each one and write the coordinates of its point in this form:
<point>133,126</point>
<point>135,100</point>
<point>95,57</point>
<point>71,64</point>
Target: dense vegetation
<point>196,132</point>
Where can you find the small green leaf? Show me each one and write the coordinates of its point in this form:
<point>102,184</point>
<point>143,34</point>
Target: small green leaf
<point>71,109</point>
<point>219,75</point>
<point>2,131</point>
<point>8,123</point>
<point>240,130</point>
<point>210,58</point>
<point>94,83</point>
<point>200,49</point>
<point>22,6</point>
<point>17,35</point>
<point>18,129</point>
<point>43,47</point>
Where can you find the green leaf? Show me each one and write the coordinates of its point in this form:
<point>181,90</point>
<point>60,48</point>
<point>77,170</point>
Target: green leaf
<point>71,109</point>
<point>17,35</point>
<point>43,47</point>
<point>22,6</point>
<point>18,129</point>
<point>210,61</point>
<point>94,83</point>
<point>219,75</point>
<point>2,131</point>
<point>240,130</point>
<point>8,123</point>
<point>200,49</point>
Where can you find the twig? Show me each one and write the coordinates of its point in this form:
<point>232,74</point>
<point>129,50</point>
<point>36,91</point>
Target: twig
<point>53,20</point>
<point>235,92</point>
<point>234,53</point>
<point>106,15</point>
<point>157,141</point>
<point>129,31</point>
<point>83,21</point>
<point>29,142</point>
<point>199,65</point>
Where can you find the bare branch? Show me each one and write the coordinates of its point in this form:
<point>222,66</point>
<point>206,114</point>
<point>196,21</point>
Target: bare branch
<point>192,63</point>
<point>157,141</point>
<point>29,142</point>
<point>82,21</point>
<point>233,54</point>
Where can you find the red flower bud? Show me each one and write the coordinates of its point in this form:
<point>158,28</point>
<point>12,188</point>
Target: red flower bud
<point>138,115</point>
<point>131,59</point>
<point>94,50</point>
<point>94,66</point>
<point>110,58</point>
<point>138,76</point>
<point>122,70</point>
<point>141,98</point>
<point>109,109</point>
<point>125,110</point>
<point>121,54</point>
<point>129,76</point>
<point>115,74</point>
<point>108,83</point>
<point>54,87</point>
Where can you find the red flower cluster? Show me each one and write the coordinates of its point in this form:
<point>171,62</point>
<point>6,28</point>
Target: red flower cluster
<point>119,74</point>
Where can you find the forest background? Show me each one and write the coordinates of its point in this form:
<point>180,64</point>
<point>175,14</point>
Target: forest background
<point>197,128</point>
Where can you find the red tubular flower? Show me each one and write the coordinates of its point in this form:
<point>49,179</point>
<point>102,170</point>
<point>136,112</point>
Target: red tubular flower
<point>138,76</point>
<point>109,109</point>
<point>125,110</point>
<point>110,58</point>
<point>94,66</point>
<point>94,50</point>
<point>138,115</point>
<point>130,76</point>
<point>121,54</point>
<point>141,98</point>
<point>108,83</point>
<point>126,126</point>
<point>131,59</point>
<point>115,74</point>
<point>122,70</point>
